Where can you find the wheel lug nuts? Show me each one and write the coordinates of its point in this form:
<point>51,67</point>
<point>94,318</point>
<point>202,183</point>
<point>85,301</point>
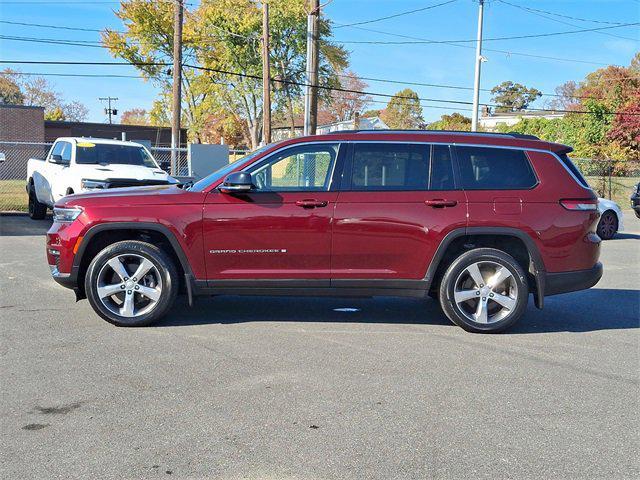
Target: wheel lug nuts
<point>491,294</point>
<point>481,285</point>
<point>122,287</point>
<point>128,292</point>
<point>478,292</point>
<point>484,299</point>
<point>137,287</point>
<point>134,279</point>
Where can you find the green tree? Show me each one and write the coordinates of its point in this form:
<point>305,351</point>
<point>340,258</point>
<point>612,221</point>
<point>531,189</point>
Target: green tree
<point>512,97</point>
<point>10,92</point>
<point>222,37</point>
<point>55,114</point>
<point>455,121</point>
<point>403,111</point>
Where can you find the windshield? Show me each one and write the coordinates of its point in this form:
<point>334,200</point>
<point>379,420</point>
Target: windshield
<point>203,183</point>
<point>106,153</point>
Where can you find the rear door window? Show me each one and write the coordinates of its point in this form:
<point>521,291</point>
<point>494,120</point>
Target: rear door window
<point>486,168</point>
<point>401,167</point>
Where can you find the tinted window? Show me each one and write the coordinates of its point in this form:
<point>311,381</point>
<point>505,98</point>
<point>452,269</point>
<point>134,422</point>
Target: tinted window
<point>378,166</point>
<point>57,149</point>
<point>494,169</point>
<point>304,168</point>
<point>441,172</point>
<point>573,169</point>
<point>106,153</point>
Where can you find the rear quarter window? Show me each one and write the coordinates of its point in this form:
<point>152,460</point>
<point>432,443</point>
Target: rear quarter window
<point>486,168</point>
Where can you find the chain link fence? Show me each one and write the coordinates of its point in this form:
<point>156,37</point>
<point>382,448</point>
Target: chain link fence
<point>13,169</point>
<point>612,179</point>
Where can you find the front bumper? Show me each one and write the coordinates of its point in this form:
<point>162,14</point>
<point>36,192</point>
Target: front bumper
<point>564,282</point>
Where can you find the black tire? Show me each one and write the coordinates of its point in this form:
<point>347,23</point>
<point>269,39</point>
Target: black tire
<point>37,210</point>
<point>637,212</point>
<point>607,225</point>
<point>165,269</point>
<point>504,318</point>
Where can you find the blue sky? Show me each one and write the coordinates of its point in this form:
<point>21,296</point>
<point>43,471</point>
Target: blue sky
<point>430,63</point>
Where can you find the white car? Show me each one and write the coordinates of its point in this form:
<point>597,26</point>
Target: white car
<point>76,165</point>
<point>610,219</point>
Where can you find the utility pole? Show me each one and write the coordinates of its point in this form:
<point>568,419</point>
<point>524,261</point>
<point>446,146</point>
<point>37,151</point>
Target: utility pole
<point>109,111</point>
<point>266,76</point>
<point>177,84</point>
<point>476,82</point>
<point>311,91</point>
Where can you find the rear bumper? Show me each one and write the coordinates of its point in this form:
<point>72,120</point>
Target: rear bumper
<point>563,282</point>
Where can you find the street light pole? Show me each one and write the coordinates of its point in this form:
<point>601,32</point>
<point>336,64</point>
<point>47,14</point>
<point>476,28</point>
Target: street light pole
<point>476,83</point>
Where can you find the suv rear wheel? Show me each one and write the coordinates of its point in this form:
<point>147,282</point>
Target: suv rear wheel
<point>131,283</point>
<point>484,290</point>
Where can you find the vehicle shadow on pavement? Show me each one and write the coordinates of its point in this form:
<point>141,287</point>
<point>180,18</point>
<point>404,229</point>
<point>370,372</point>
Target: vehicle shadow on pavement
<point>23,226</point>
<point>238,309</point>
<point>625,236</point>
<point>589,310</point>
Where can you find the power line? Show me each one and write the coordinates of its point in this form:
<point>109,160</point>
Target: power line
<point>397,14</point>
<point>561,15</point>
<point>546,16</point>
<point>250,38</point>
<point>494,39</point>
<point>506,52</point>
<point>291,82</point>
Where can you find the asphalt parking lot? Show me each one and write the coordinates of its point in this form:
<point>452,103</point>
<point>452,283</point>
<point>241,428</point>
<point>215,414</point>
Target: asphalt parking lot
<point>290,388</point>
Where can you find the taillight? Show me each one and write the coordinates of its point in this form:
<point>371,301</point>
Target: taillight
<point>581,205</point>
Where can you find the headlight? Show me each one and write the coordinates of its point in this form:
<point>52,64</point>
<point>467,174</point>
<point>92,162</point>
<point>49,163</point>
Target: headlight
<point>92,184</point>
<point>66,215</point>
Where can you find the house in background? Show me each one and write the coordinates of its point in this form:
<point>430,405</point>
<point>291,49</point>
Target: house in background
<point>490,120</point>
<point>282,131</point>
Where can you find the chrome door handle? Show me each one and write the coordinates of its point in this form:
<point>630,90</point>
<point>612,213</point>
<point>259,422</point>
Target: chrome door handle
<point>441,203</point>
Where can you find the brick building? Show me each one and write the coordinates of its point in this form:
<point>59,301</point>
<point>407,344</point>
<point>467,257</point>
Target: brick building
<point>19,123</point>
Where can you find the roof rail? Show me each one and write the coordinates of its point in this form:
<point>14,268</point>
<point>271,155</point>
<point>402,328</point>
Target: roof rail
<point>439,132</point>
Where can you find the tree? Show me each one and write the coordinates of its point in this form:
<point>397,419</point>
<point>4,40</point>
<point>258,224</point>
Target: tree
<point>135,116</point>
<point>403,111</point>
<point>10,91</point>
<point>55,114</point>
<point>455,121</point>
<point>39,92</point>
<point>566,97</point>
<point>75,111</point>
<point>344,105</point>
<point>512,97</point>
<point>372,113</point>
<point>625,128</point>
<point>221,40</point>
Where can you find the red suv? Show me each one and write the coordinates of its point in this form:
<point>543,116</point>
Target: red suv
<point>478,221</point>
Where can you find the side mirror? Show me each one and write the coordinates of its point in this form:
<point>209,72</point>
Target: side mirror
<point>55,158</point>
<point>237,182</point>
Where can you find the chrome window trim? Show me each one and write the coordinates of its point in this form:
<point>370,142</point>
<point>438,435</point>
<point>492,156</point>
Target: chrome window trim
<point>453,144</point>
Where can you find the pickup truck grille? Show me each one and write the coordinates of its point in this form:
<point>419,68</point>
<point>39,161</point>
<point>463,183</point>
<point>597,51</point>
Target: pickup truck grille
<point>130,182</point>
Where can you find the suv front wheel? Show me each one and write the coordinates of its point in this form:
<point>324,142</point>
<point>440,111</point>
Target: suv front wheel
<point>131,283</point>
<point>484,290</point>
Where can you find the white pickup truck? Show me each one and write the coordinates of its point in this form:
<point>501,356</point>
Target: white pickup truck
<point>76,165</point>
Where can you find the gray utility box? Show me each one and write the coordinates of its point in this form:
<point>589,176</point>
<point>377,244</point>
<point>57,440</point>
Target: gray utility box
<point>205,159</point>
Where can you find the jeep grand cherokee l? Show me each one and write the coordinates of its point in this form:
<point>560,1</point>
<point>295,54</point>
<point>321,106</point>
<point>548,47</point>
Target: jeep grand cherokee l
<point>478,221</point>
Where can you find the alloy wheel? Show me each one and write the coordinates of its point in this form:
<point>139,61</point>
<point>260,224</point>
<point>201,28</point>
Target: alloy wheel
<point>129,285</point>
<point>486,292</point>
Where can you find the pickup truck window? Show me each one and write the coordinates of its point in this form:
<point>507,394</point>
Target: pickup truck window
<point>88,153</point>
<point>66,151</point>
<point>56,149</point>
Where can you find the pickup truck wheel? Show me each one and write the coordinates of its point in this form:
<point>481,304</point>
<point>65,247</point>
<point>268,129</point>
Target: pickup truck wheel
<point>484,290</point>
<point>37,210</point>
<point>131,283</point>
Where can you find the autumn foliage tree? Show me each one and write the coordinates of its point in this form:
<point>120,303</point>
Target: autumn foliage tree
<point>403,111</point>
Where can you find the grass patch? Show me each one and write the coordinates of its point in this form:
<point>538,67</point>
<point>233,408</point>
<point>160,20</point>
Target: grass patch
<point>621,188</point>
<point>13,196</point>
